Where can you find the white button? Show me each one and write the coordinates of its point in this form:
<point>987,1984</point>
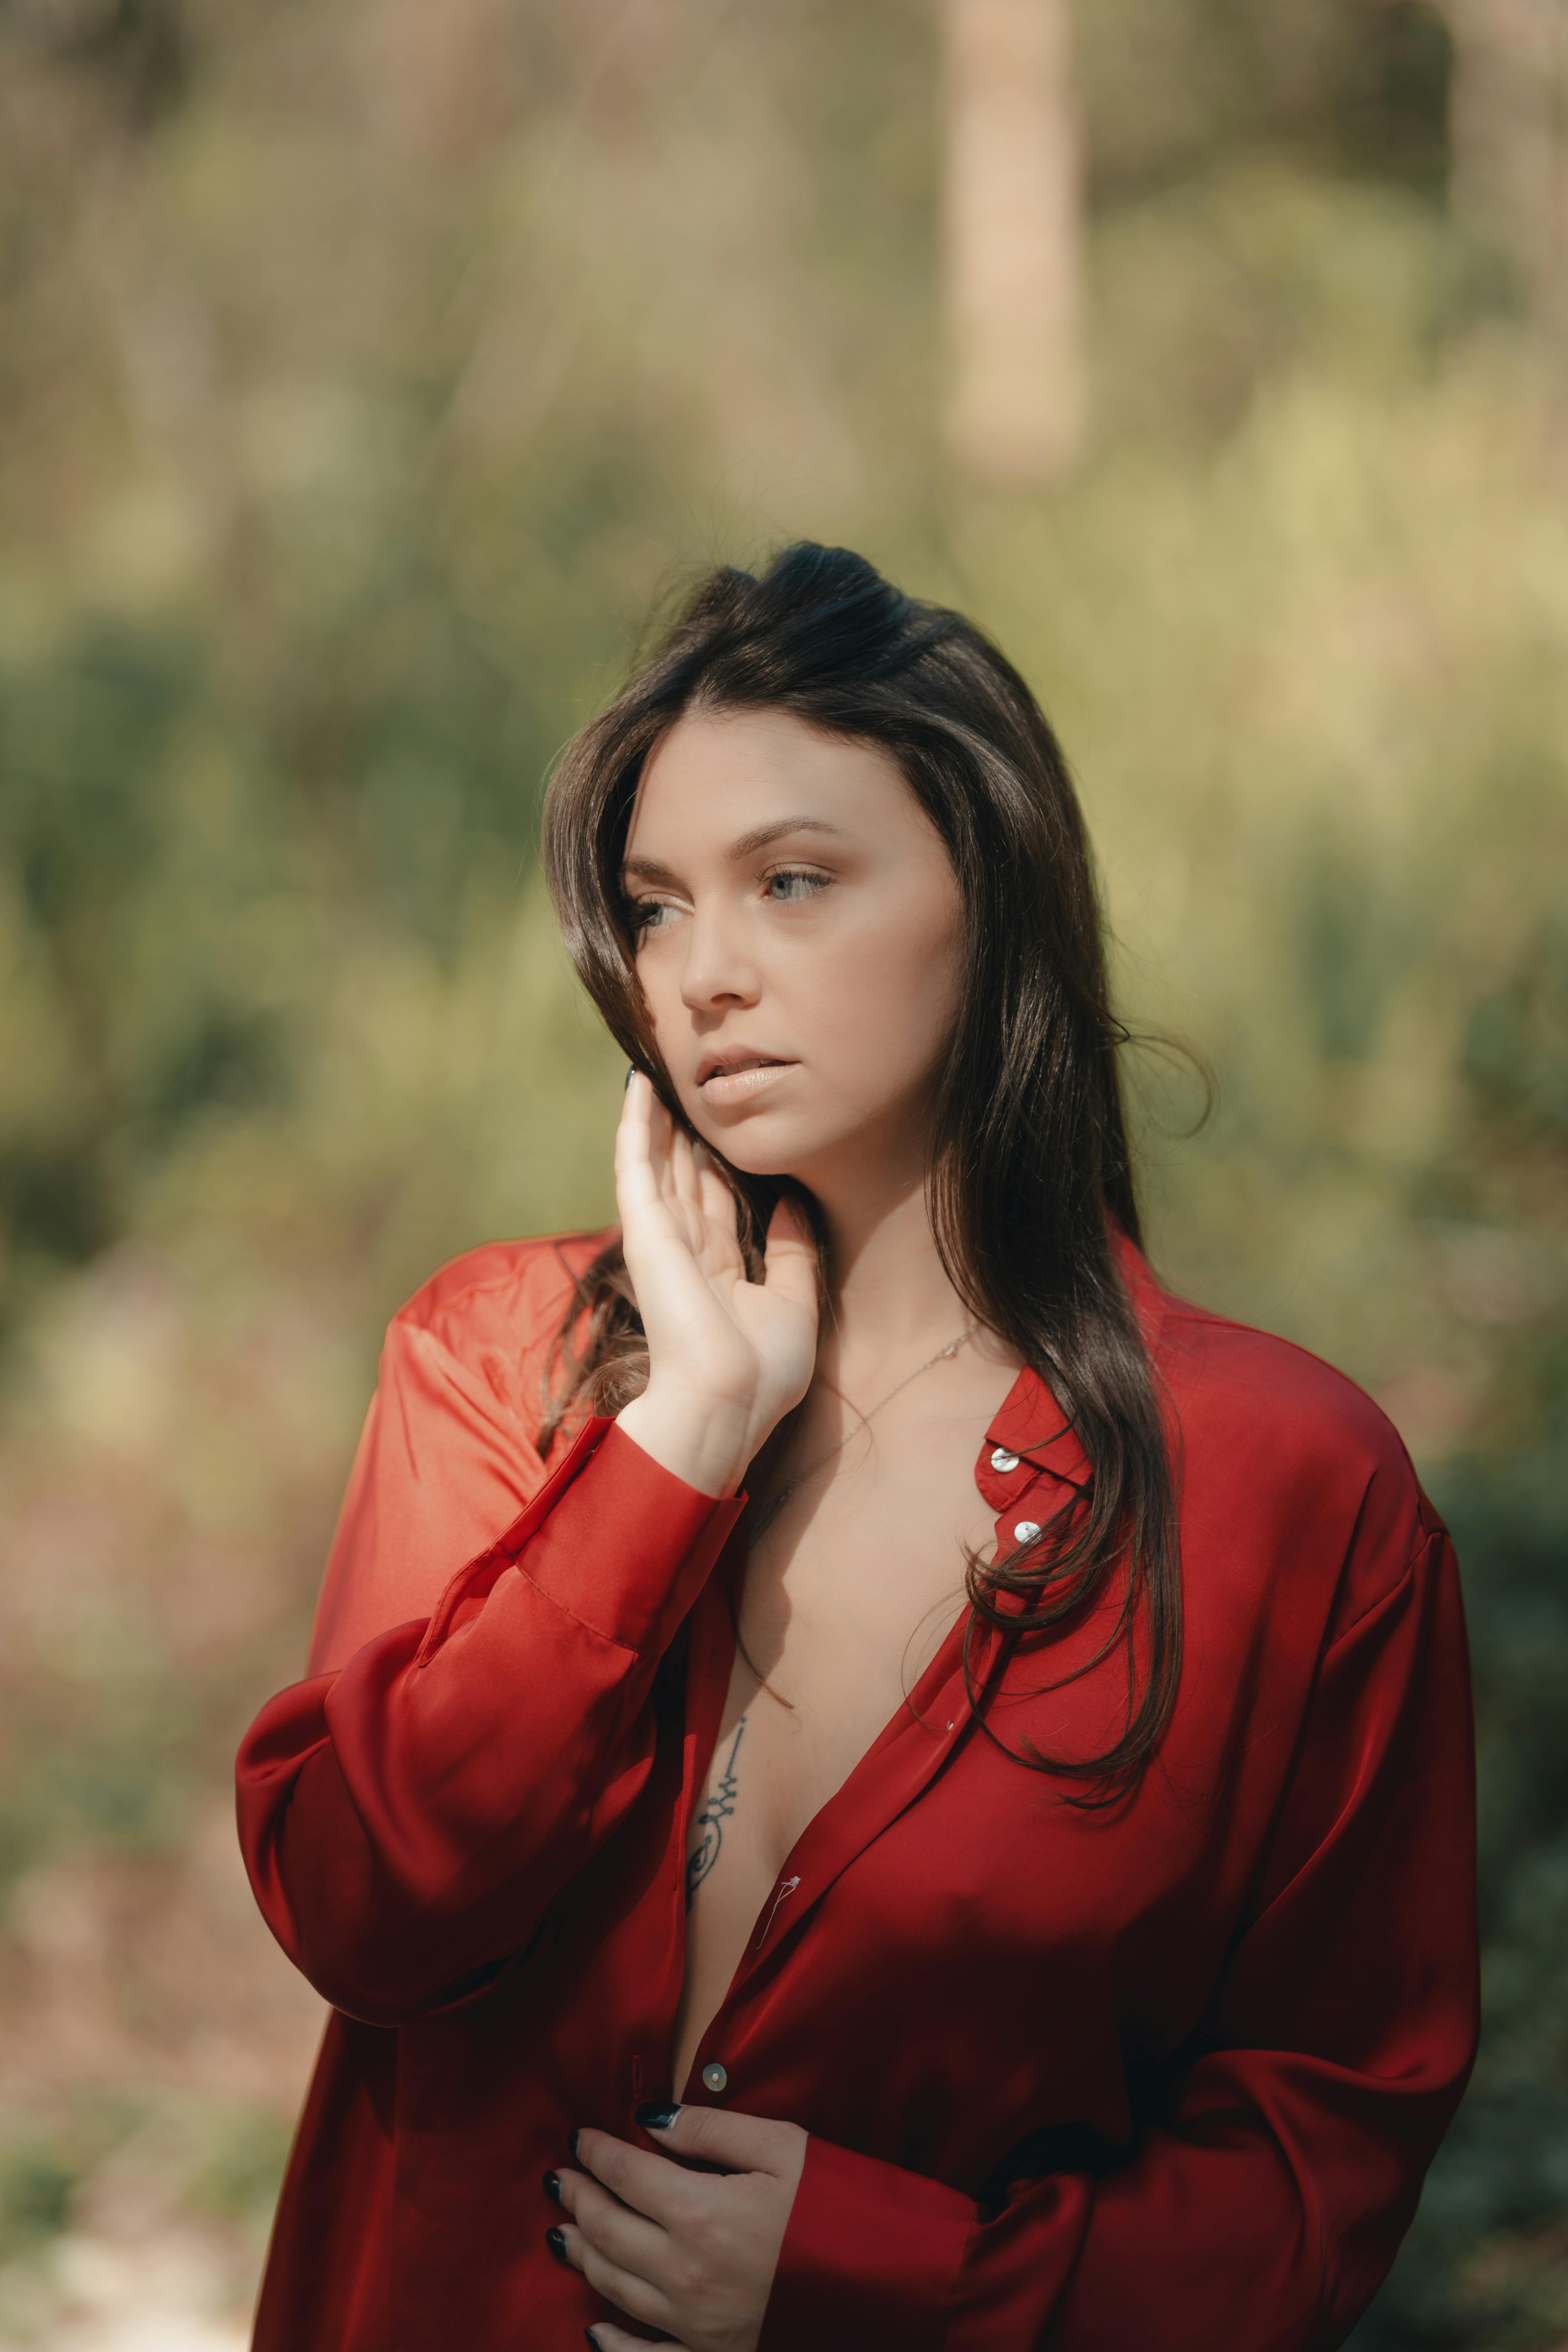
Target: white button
<point>1026,1531</point>
<point>715,2078</point>
<point>1002,1460</point>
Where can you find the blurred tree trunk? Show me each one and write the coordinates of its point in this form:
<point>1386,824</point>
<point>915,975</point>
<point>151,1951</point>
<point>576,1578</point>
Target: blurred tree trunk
<point>1509,127</point>
<point>1014,236</point>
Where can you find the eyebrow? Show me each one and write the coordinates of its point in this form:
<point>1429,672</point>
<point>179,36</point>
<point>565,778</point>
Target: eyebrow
<point>648,869</point>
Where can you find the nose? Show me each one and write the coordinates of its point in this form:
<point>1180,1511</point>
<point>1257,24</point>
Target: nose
<point>718,971</point>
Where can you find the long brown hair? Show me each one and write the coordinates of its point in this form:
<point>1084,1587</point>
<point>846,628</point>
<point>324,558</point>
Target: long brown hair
<point>1028,1160</point>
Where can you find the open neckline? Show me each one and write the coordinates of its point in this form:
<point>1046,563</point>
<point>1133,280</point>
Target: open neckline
<point>1028,1425</point>
<point>710,1662</point>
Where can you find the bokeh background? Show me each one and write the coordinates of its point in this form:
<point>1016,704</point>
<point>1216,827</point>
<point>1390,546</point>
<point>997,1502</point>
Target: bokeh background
<point>368,367</point>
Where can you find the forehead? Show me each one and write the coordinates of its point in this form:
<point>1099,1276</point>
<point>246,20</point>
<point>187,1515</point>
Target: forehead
<point>718,774</point>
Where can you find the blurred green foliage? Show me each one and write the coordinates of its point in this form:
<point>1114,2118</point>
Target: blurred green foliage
<point>151,2152</point>
<point>367,373</point>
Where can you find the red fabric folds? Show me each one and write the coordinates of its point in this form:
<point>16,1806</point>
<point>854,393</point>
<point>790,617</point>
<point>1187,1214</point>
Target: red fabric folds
<point>1166,2076</point>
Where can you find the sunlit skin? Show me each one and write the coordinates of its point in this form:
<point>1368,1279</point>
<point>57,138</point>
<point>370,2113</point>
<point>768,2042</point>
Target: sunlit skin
<point>799,926</point>
<point>800,948</point>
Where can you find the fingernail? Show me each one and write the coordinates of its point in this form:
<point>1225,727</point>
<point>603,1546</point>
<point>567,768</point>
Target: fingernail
<point>631,1073</point>
<point>556,2242</point>
<point>552,2185</point>
<point>592,2339</point>
<point>656,2115</point>
<point>572,2139</point>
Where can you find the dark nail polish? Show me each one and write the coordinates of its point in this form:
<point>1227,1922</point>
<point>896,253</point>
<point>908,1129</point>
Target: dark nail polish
<point>592,2339</point>
<point>572,2138</point>
<point>631,1073</point>
<point>556,2242</point>
<point>656,2115</point>
<point>552,2185</point>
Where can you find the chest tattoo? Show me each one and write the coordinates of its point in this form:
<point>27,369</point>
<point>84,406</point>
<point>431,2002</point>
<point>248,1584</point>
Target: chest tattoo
<point>709,1825</point>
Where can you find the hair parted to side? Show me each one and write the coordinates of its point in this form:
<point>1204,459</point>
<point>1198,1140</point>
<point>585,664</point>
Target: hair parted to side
<point>1028,1162</point>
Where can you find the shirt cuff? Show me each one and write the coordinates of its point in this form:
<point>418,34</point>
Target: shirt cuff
<point>613,1539</point>
<point>870,2258</point>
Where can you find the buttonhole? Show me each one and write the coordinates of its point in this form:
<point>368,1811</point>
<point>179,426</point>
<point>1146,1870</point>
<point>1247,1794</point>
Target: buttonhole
<point>787,1886</point>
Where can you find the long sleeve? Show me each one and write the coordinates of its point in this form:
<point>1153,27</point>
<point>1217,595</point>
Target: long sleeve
<point>406,1819</point>
<point>1263,2208</point>
<point>448,1456</point>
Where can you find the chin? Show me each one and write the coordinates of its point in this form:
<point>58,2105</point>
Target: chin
<point>753,1157</point>
<point>759,1146</point>
<point>804,1162</point>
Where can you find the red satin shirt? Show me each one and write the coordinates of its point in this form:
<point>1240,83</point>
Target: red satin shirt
<point>1163,2077</point>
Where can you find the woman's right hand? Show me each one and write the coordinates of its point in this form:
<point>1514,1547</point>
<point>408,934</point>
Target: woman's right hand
<point>727,1357</point>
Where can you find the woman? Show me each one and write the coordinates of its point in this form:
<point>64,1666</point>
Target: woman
<point>868,1777</point>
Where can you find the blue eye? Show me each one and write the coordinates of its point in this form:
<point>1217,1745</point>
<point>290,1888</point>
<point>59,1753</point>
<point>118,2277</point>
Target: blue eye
<point>648,914</point>
<point>792,884</point>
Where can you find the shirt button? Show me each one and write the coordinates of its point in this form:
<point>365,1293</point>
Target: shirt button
<point>1026,1531</point>
<point>715,2078</point>
<point>1002,1460</point>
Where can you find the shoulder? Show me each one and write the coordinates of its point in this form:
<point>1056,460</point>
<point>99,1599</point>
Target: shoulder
<point>1268,1393</point>
<point>528,1282</point>
<point>496,1311</point>
<point>1272,1437</point>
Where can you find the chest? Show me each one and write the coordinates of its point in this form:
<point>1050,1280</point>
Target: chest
<point>842,1603</point>
<point>839,1609</point>
<point>899,1844</point>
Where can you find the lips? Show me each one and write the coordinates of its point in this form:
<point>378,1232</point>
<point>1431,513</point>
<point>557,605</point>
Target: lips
<point>739,1058</point>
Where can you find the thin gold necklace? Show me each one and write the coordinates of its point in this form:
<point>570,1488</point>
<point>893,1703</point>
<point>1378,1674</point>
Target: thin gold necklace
<point>781,1496</point>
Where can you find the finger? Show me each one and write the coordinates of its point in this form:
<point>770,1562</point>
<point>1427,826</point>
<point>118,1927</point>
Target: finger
<point>789,1264</point>
<point>683,1166</point>
<point>722,1219</point>
<point>635,1181</point>
<point>686,1187</point>
<point>631,1128</point>
<point>642,1158</point>
<point>649,2184</point>
<point>660,1135</point>
<point>738,2143</point>
<point>634,2296</point>
<point>624,2237</point>
<point>660,1120</point>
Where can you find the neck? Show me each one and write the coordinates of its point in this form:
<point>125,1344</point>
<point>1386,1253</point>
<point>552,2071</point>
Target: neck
<point>891,1296</point>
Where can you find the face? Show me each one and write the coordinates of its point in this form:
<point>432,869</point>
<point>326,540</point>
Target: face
<point>799,937</point>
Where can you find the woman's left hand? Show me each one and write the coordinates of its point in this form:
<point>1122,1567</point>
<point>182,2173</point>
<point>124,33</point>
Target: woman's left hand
<point>689,2254</point>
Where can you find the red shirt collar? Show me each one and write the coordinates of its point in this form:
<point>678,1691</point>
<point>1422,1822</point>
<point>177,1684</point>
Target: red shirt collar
<point>1030,1424</point>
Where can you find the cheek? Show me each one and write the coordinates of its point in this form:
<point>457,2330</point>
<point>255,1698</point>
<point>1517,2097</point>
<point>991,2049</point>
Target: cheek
<point>883,1002</point>
<point>658,977</point>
